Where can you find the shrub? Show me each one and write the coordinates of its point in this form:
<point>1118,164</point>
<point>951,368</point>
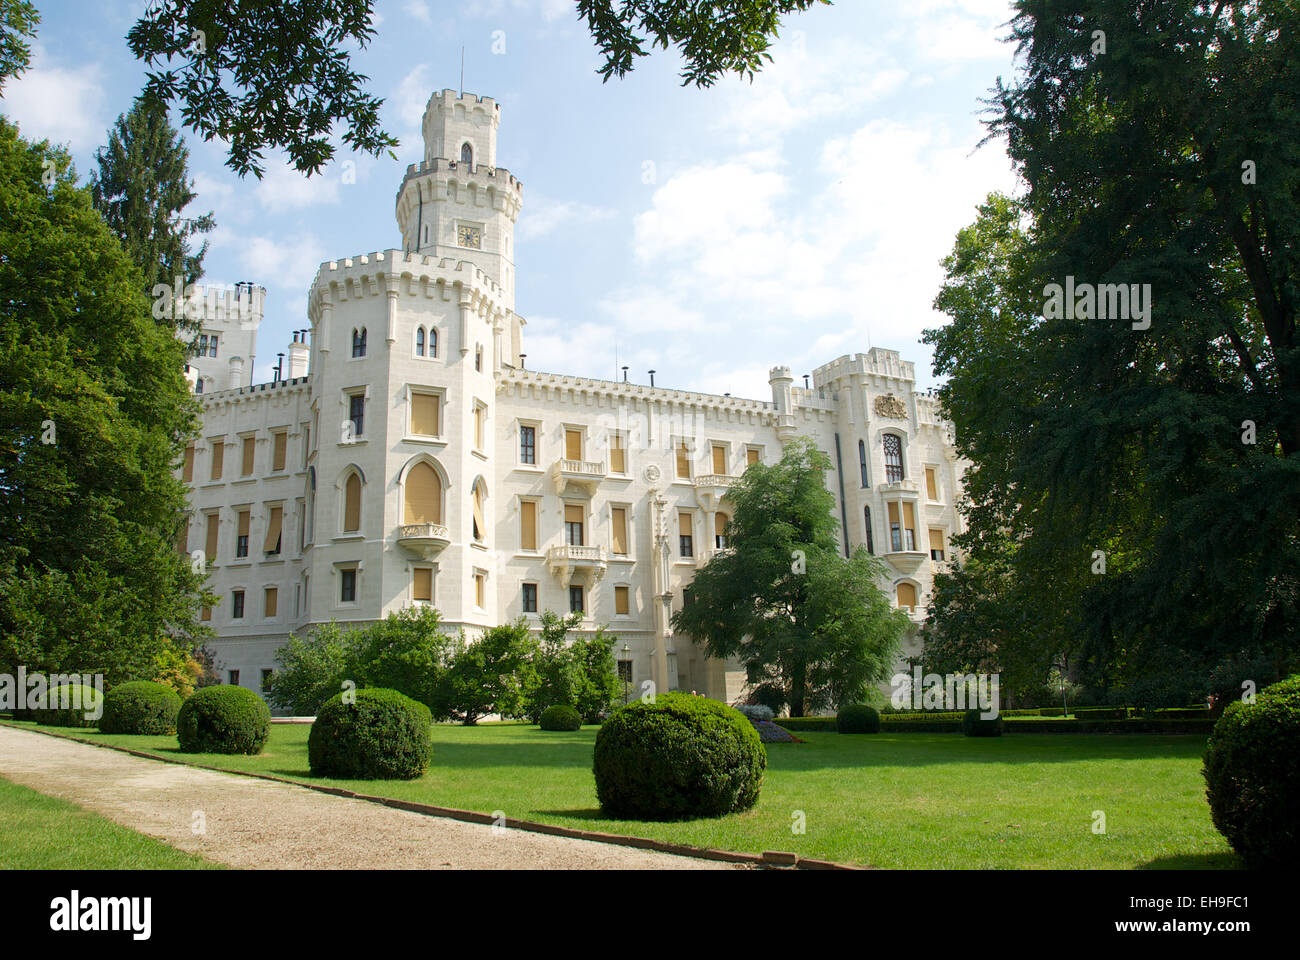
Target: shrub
<point>770,695</point>
<point>676,758</point>
<point>973,725</point>
<point>142,707</point>
<point>858,718</point>
<point>756,712</point>
<point>560,717</point>
<point>382,735</point>
<point>223,719</point>
<point>1252,775</point>
<point>68,706</point>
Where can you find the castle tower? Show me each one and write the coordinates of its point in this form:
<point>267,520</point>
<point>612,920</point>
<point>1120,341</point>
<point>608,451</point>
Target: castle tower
<point>457,203</point>
<point>224,344</point>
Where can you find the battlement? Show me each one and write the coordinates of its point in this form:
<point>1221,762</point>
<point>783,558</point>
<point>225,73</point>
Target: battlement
<point>447,98</point>
<point>619,389</point>
<point>418,266</point>
<point>877,362</point>
<point>461,126</point>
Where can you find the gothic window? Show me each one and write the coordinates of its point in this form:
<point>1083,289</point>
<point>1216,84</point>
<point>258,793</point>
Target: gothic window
<point>212,345</point>
<point>467,154</point>
<point>352,504</point>
<point>906,596</point>
<point>359,342</point>
<point>862,462</point>
<point>433,342</point>
<point>871,543</point>
<point>423,491</point>
<point>198,385</point>
<point>893,458</point>
<point>419,341</point>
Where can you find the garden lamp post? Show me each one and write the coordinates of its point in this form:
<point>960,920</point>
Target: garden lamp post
<point>626,651</point>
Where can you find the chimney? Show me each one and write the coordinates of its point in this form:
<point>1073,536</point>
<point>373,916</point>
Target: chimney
<point>299,356</point>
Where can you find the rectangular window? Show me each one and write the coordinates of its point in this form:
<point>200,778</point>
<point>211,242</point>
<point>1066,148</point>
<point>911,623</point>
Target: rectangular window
<point>751,457</point>
<point>218,456</point>
<point>357,414</point>
<point>187,471</point>
<point>422,584</point>
<point>530,598</point>
<point>424,414</point>
<point>618,523</point>
<point>931,485</point>
<point>206,615</point>
<point>720,531</point>
<point>683,460</point>
<point>480,590</point>
<point>621,600</point>
<point>266,680</point>
<point>575,599</point>
<point>212,345</point>
<point>272,600</point>
<point>274,532</point>
<point>573,444</point>
<point>528,524</point>
<point>573,519</point>
<point>936,544</point>
<point>210,544</point>
<point>249,452</point>
<point>909,526</point>
<point>617,453</point>
<point>684,533</point>
<point>480,426</point>
<point>719,460</point>
<point>241,534</point>
<point>232,677</point>
<point>238,605</point>
<point>528,445</point>
<point>280,450</point>
<point>347,586</point>
<point>895,529</point>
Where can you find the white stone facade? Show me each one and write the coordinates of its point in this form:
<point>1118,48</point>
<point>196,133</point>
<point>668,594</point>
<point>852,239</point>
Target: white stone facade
<point>577,481</point>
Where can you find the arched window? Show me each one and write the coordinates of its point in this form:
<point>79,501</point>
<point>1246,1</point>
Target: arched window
<point>419,341</point>
<point>359,342</point>
<point>893,445</point>
<point>433,342</point>
<point>871,540</point>
<point>862,461</point>
<point>352,504</point>
<point>423,490</point>
<point>906,596</point>
<point>309,520</point>
<point>467,154</point>
<point>198,385</point>
<point>480,528</point>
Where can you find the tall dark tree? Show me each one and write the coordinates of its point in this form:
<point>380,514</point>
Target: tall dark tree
<point>784,600</point>
<point>18,20</point>
<point>94,415</point>
<point>262,75</point>
<point>142,188</point>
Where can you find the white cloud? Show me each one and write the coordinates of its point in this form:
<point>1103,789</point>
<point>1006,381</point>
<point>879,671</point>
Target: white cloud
<point>549,10</point>
<point>63,105</point>
<point>419,10</point>
<point>284,188</point>
<point>544,215</point>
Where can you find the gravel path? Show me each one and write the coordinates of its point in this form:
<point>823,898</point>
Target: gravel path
<point>252,823</point>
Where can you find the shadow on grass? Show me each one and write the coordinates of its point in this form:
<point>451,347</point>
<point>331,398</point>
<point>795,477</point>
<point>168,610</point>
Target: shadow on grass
<point>1195,861</point>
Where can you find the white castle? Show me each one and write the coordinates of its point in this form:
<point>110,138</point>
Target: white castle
<point>407,456</point>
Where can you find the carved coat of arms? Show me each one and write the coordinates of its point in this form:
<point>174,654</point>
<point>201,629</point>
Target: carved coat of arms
<point>890,407</point>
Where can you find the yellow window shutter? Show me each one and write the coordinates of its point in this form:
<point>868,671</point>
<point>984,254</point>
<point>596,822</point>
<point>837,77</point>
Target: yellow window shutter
<point>936,539</point>
<point>618,519</point>
<point>528,524</point>
<point>207,614</point>
<point>272,601</point>
<point>683,460</point>
<point>719,524</point>
<point>423,585</point>
<point>893,511</point>
<point>423,490</point>
<point>281,450</point>
<point>243,523</point>
<point>719,460</point>
<point>931,487</point>
<point>684,523</point>
<point>480,528</point>
<point>909,516</point>
<point>424,414</point>
<point>573,444</point>
<point>620,600</point>
<point>751,457</point>
<point>478,590</point>
<point>352,505</point>
<point>617,454</point>
<point>906,595</point>
<point>273,530</point>
<point>218,456</point>
<point>210,546</point>
<point>250,449</point>
<point>572,513</point>
<point>187,472</point>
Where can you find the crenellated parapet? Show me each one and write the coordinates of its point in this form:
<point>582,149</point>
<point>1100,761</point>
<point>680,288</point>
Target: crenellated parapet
<point>476,186</point>
<point>405,274</point>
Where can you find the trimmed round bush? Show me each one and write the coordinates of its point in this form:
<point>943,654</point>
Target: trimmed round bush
<point>80,700</point>
<point>383,735</point>
<point>560,717</point>
<point>677,758</point>
<point>1252,775</point>
<point>223,719</point>
<point>973,725</point>
<point>858,718</point>
<point>141,706</point>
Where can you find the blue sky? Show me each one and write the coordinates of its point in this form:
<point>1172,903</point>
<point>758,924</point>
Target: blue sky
<point>707,234</point>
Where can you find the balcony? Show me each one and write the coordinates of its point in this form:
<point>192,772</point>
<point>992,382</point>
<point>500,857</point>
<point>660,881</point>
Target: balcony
<point>425,540</point>
<point>567,561</point>
<point>584,474</point>
<point>711,488</point>
<point>907,561</point>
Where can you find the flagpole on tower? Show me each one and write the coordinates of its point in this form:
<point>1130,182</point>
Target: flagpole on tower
<point>462,70</point>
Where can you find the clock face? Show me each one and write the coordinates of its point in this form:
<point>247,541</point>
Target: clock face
<point>470,237</point>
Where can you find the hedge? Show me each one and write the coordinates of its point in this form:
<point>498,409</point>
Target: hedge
<point>857,718</point>
<point>223,719</point>
<point>140,707</point>
<point>560,717</point>
<point>378,734</point>
<point>73,716</point>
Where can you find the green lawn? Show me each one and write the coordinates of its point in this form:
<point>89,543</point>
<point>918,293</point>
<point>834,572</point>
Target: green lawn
<point>889,800</point>
<point>39,832</point>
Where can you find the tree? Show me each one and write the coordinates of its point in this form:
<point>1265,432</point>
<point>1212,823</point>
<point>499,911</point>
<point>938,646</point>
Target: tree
<point>141,189</point>
<point>407,651</point>
<point>94,416</point>
<point>18,20</point>
<point>784,600</point>
<point>598,683</point>
<point>551,676</point>
<point>485,675</point>
<point>311,670</point>
<point>265,76</point>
